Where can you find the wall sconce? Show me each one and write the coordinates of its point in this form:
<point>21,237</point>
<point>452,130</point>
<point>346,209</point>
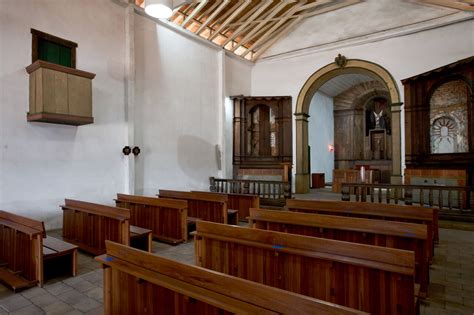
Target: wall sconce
<point>160,9</point>
<point>136,151</point>
<point>330,148</point>
<point>126,150</point>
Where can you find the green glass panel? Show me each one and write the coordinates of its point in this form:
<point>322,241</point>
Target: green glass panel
<point>54,53</point>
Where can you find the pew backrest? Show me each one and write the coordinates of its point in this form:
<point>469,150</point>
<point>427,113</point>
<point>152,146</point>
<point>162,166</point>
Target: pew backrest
<point>401,235</point>
<point>354,275</point>
<point>88,225</point>
<point>201,205</point>
<point>241,202</point>
<point>168,286</point>
<point>167,218</point>
<point>399,213</point>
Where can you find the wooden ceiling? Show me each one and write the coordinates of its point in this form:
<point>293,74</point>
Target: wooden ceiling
<point>248,28</point>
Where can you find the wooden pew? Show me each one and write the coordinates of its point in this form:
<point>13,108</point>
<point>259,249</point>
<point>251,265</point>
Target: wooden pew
<point>240,202</point>
<point>202,205</point>
<point>26,252</point>
<point>401,235</point>
<point>167,218</point>
<point>399,213</point>
<point>88,225</point>
<point>372,279</point>
<point>136,282</point>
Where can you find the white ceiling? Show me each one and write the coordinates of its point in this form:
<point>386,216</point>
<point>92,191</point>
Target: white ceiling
<point>369,18</point>
<point>342,83</point>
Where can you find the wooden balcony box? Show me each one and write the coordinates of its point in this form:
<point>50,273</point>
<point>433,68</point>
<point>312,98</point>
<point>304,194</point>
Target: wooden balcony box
<point>59,94</point>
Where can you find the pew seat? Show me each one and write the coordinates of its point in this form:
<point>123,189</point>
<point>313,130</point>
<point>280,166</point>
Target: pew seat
<point>140,238</point>
<point>57,252</point>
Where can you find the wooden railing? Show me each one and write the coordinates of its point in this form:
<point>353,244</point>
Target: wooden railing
<point>270,192</point>
<point>449,199</point>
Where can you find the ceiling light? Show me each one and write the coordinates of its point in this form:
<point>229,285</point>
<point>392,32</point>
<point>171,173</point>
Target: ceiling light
<point>160,9</point>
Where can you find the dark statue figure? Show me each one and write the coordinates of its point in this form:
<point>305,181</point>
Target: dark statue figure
<point>376,115</point>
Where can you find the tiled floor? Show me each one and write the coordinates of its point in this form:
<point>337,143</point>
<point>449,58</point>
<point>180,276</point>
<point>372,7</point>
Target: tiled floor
<point>451,290</point>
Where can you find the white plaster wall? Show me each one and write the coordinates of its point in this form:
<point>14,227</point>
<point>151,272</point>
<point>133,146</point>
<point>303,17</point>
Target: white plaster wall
<point>321,134</point>
<point>41,164</point>
<point>238,82</point>
<point>403,57</point>
<point>177,122</point>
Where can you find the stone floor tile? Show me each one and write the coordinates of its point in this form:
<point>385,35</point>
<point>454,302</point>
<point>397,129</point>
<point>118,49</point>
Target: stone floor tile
<point>14,302</point>
<point>96,311</point>
<point>58,288</point>
<point>83,286</point>
<point>86,304</point>
<point>71,297</point>
<point>74,312</point>
<point>29,310</point>
<point>58,308</point>
<point>44,300</point>
<point>33,292</point>
<point>96,293</point>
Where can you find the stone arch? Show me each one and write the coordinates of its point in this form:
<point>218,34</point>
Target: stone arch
<point>313,84</point>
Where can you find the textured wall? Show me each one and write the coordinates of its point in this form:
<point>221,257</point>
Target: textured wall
<point>41,164</point>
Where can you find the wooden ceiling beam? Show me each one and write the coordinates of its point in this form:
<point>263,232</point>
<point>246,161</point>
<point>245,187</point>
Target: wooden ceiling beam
<point>208,11</point>
<point>464,5</point>
<point>230,18</point>
<point>190,17</point>
<point>331,8</point>
<point>241,28</point>
<point>249,36</point>
<point>213,15</point>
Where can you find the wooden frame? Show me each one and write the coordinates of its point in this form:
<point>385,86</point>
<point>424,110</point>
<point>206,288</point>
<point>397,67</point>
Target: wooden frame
<point>167,218</point>
<point>136,282</point>
<point>373,279</point>
<point>60,41</point>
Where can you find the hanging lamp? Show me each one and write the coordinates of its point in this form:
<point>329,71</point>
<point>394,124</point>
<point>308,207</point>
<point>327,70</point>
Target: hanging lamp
<point>160,9</point>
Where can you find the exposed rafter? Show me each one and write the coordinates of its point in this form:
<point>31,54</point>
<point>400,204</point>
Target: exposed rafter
<point>465,5</point>
<point>247,27</point>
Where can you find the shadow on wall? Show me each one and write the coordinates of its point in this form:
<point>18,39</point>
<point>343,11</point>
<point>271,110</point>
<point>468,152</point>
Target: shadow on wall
<point>196,157</point>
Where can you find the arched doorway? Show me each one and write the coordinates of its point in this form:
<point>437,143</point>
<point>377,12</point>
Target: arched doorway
<point>342,66</point>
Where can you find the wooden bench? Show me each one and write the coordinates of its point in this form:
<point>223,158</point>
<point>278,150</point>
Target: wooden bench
<point>26,254</point>
<point>167,218</point>
<point>136,282</point>
<point>372,279</point>
<point>399,213</point>
<point>240,202</point>
<point>401,235</point>
<point>204,206</point>
<point>88,225</point>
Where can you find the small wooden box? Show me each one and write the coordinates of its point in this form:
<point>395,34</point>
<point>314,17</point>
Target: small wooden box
<point>59,94</point>
<point>317,180</point>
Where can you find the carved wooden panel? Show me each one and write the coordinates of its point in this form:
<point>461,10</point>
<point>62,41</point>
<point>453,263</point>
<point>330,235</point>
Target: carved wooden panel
<point>420,119</point>
<point>262,132</point>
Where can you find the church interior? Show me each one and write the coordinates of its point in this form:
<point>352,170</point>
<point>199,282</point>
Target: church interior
<point>237,157</point>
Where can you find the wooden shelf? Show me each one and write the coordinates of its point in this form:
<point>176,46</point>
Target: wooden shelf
<point>60,119</point>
